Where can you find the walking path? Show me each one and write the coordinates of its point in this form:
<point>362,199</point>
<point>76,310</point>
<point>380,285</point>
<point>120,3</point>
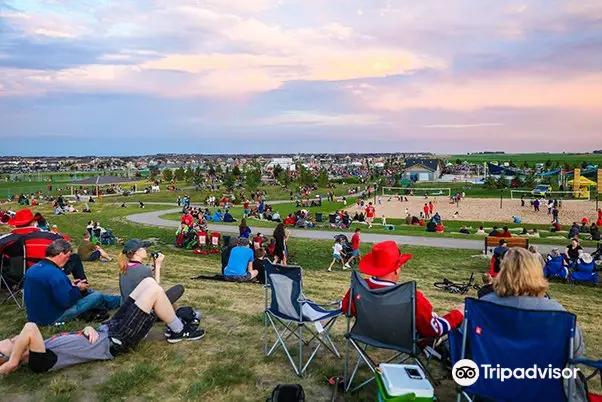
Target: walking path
<point>154,218</point>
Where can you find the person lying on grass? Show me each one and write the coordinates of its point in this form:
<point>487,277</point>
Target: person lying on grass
<point>122,333</point>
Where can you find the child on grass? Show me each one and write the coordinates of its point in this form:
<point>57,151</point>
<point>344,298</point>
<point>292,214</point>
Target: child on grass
<point>337,255</point>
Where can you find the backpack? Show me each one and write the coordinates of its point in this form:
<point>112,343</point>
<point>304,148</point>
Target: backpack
<point>287,393</point>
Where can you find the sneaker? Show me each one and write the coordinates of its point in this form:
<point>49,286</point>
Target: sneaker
<point>187,334</point>
<point>329,269</point>
<point>167,332</point>
<point>346,266</point>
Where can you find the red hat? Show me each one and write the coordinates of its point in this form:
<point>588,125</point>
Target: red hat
<point>23,218</point>
<point>384,258</point>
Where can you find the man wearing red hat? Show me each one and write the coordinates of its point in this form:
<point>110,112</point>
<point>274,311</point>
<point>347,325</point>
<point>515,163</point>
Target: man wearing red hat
<point>25,223</point>
<point>384,264</point>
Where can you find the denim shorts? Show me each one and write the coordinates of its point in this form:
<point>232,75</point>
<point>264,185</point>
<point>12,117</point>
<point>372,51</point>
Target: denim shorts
<point>238,278</point>
<point>356,253</point>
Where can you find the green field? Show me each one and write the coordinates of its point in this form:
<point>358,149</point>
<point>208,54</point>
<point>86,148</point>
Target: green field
<point>228,364</point>
<point>571,159</point>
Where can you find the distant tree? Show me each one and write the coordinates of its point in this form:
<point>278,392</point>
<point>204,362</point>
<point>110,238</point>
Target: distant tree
<point>168,175</point>
<point>490,182</point>
<point>323,178</point>
<point>229,180</point>
<point>252,179</point>
<point>526,164</point>
<point>566,166</point>
<point>154,172</point>
<point>197,179</point>
<point>517,181</point>
<point>502,182</point>
<point>219,169</point>
<point>236,171</point>
<point>211,170</point>
<point>548,164</point>
<point>284,178</point>
<point>179,174</point>
<point>458,161</point>
<point>276,171</point>
<point>530,181</point>
<point>189,174</point>
<point>305,176</point>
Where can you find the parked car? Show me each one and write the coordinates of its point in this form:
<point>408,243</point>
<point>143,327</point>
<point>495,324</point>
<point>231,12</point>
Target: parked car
<point>541,190</point>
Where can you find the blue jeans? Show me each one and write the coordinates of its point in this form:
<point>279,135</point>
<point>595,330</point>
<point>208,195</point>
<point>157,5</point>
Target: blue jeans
<point>91,301</point>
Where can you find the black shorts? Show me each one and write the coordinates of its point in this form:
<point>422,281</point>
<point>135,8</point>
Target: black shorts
<point>41,362</point>
<point>129,326</point>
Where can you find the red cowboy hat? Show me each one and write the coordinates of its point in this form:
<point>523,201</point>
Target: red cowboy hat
<point>384,258</point>
<point>22,218</point>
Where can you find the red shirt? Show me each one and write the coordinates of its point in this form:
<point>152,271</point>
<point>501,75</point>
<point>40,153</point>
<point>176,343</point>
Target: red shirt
<point>426,209</point>
<point>431,207</point>
<point>245,205</point>
<point>506,234</point>
<point>355,241</point>
<point>370,211</point>
<point>428,323</point>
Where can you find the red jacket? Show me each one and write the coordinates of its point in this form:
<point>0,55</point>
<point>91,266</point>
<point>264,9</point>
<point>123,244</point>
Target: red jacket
<point>428,323</point>
<point>506,234</point>
<point>36,247</point>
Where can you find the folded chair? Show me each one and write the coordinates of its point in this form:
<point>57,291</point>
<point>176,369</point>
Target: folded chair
<point>291,314</point>
<point>384,319</point>
<point>12,275</point>
<point>513,338</point>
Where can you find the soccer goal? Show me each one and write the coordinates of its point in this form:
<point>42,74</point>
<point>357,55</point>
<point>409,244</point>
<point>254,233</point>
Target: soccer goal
<point>579,195</point>
<point>416,191</point>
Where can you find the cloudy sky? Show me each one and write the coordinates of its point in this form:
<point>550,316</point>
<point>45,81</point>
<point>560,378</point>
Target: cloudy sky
<point>147,76</point>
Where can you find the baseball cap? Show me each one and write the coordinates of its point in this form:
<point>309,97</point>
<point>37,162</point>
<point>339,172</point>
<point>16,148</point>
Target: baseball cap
<point>134,244</point>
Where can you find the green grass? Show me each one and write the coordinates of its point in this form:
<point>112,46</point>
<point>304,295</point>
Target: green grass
<point>532,159</point>
<point>452,227</point>
<point>228,364</point>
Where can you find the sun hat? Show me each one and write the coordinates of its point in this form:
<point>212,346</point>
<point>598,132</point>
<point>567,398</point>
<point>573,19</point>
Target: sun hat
<point>384,258</point>
<point>22,218</point>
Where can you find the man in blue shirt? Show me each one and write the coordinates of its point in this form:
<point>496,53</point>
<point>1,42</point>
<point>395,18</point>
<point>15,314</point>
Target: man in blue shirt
<point>240,263</point>
<point>51,298</point>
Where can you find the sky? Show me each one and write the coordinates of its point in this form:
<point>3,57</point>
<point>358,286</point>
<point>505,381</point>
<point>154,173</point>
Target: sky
<point>127,77</point>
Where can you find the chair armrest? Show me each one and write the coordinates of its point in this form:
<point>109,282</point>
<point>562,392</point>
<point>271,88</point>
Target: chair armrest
<point>597,364</point>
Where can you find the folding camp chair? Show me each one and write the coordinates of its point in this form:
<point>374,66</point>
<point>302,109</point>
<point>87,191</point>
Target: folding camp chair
<point>513,338</point>
<point>385,319</point>
<point>290,310</point>
<point>12,276</point>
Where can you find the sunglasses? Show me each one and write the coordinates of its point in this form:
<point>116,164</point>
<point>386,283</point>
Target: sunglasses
<point>3,356</point>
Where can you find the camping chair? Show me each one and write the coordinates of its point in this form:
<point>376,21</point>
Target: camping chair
<point>374,326</point>
<point>513,338</point>
<point>294,313</point>
<point>12,276</point>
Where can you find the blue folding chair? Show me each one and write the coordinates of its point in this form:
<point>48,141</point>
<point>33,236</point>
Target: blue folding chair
<point>514,338</point>
<point>290,313</point>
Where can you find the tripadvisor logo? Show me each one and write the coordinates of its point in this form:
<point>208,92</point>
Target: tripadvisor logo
<point>466,372</point>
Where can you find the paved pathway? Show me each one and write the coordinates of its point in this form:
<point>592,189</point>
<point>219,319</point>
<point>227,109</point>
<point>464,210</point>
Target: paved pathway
<point>154,218</point>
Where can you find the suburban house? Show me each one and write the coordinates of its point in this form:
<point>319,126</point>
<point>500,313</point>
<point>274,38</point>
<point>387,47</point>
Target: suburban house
<point>423,169</point>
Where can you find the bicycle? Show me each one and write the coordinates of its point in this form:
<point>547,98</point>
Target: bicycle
<point>458,288</point>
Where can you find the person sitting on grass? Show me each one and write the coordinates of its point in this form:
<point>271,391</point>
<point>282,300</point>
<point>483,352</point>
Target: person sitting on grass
<point>218,216</point>
<point>487,285</point>
<point>464,230</point>
<point>481,231</point>
<point>338,255</point>
<point>228,217</point>
<point>121,334</point>
<point>240,263</point>
<point>521,284</point>
<point>132,271</point>
<point>226,252</point>
<point>243,229</point>
<point>384,265</point>
<point>258,264</point>
<point>50,298</point>
<point>89,251</point>
<point>594,232</point>
<point>439,228</point>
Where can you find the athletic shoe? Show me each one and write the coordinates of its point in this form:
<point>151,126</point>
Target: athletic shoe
<point>346,266</point>
<point>188,334</point>
<point>329,269</point>
<point>167,332</point>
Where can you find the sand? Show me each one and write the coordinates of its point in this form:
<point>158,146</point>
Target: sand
<point>484,209</point>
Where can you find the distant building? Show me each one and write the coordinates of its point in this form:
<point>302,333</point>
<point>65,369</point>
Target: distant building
<point>423,169</point>
<point>284,163</point>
